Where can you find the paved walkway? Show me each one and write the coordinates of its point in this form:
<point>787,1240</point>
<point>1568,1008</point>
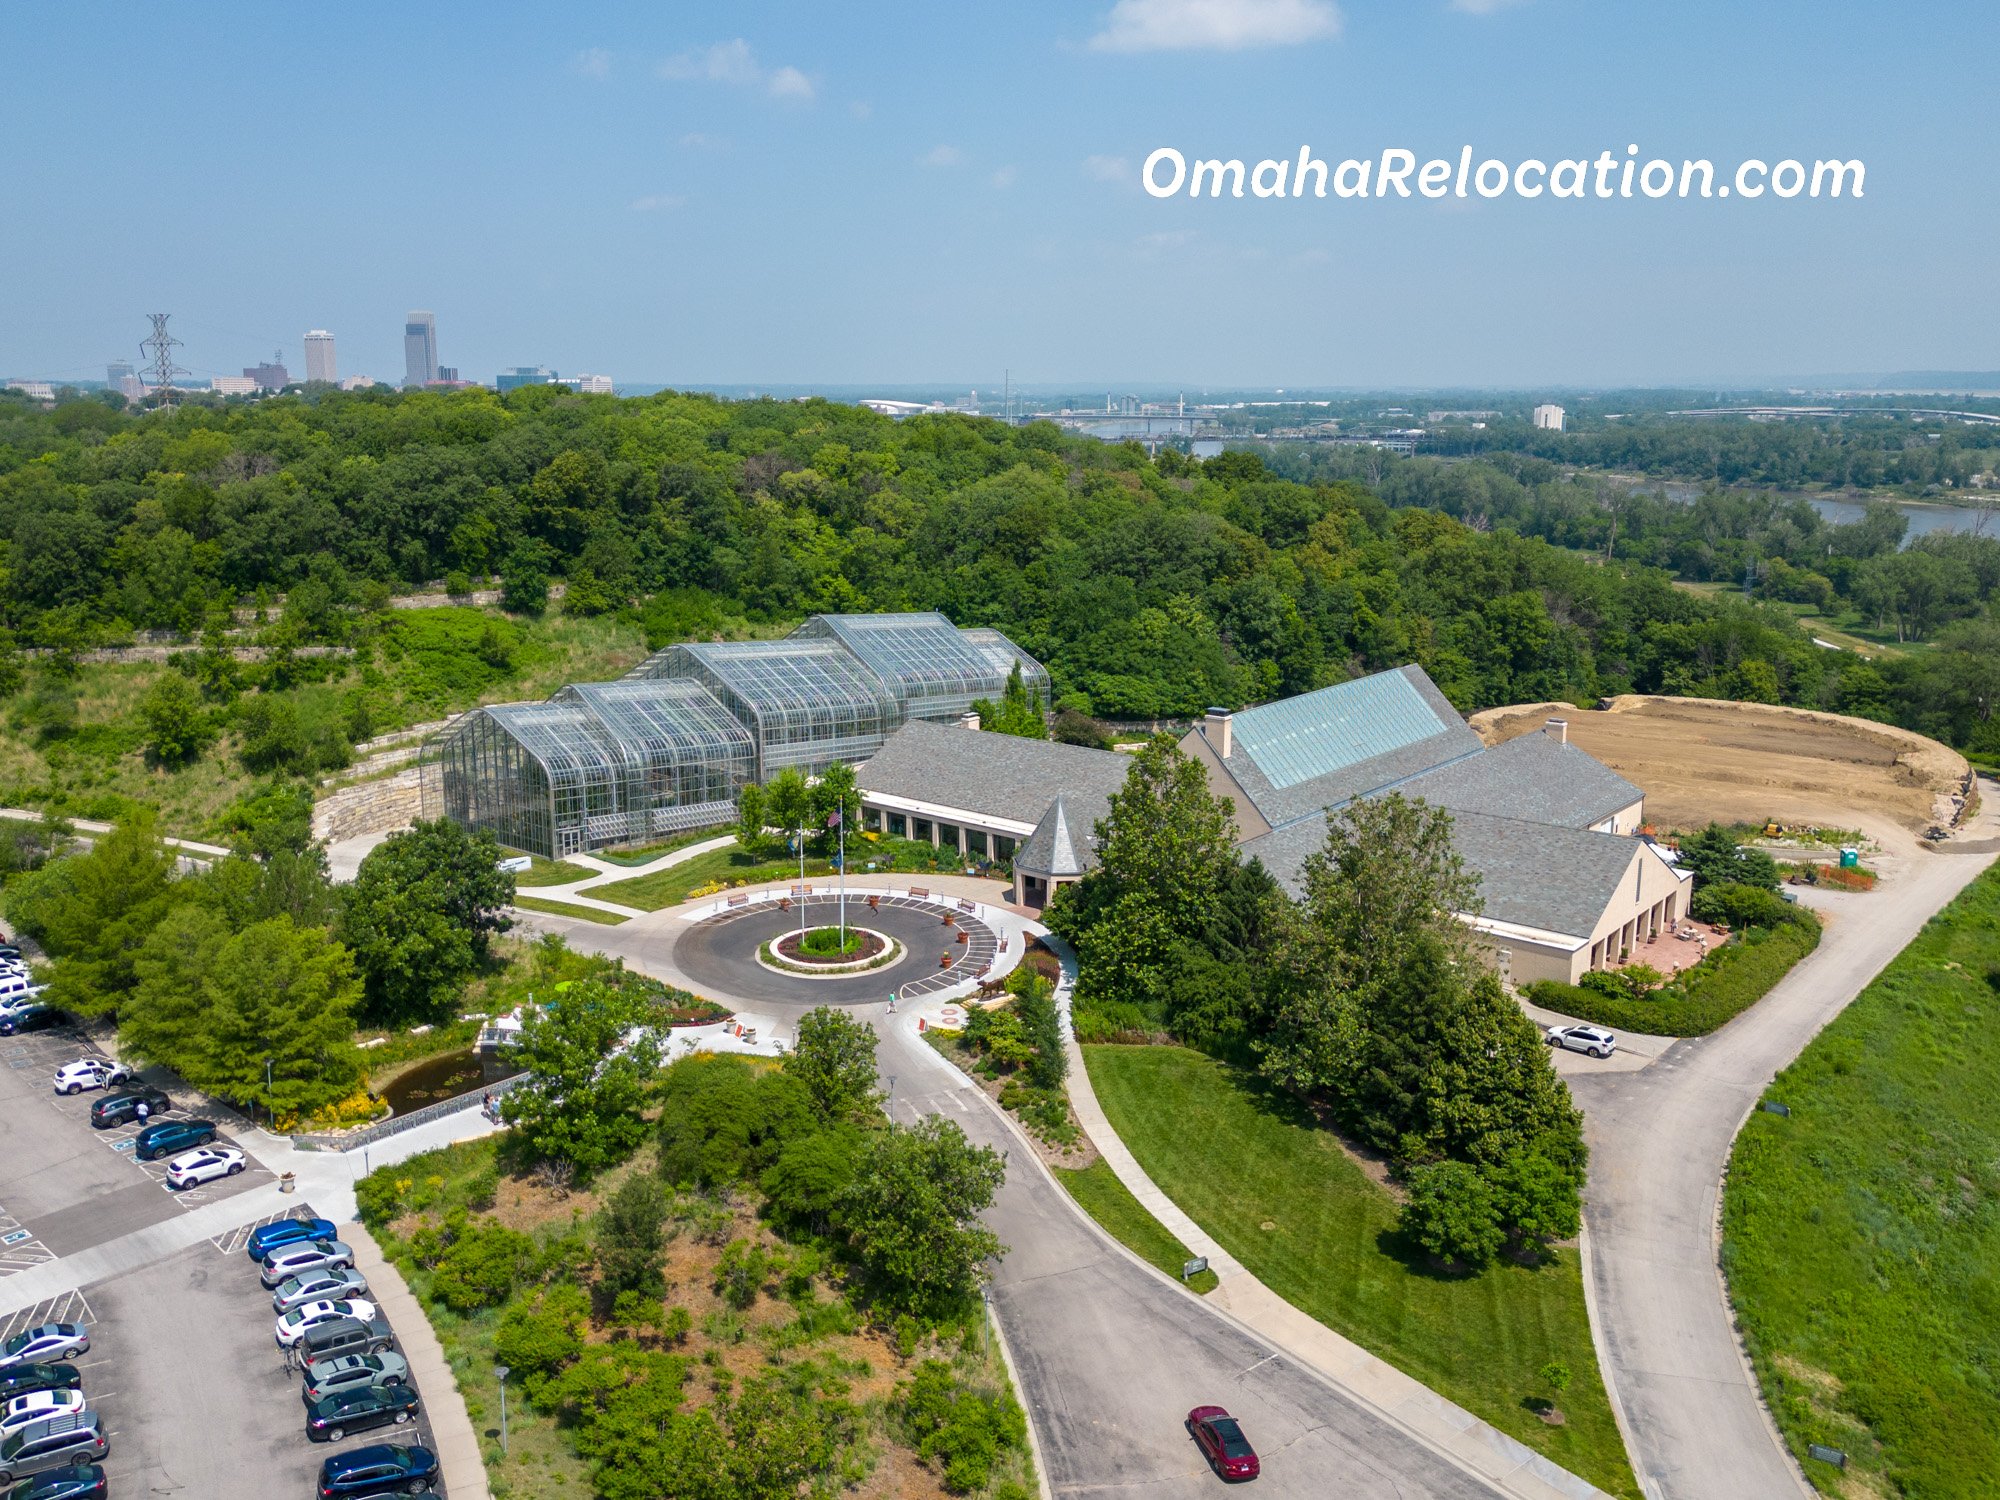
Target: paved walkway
<point>457,1445</point>
<point>1509,1465</point>
<point>1660,1139</point>
<point>92,828</point>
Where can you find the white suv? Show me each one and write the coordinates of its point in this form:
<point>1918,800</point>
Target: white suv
<point>203,1164</point>
<point>91,1073</point>
<point>1592,1039</point>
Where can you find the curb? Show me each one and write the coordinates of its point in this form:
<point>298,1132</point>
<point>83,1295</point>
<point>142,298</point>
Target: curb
<point>460,1463</point>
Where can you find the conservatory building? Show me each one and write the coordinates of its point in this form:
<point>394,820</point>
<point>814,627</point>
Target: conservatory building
<point>667,748</point>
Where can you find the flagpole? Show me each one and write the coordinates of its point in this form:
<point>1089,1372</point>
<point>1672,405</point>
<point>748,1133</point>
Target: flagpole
<point>802,882</point>
<point>843,882</point>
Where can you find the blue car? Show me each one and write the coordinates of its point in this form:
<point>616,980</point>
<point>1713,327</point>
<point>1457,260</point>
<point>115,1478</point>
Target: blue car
<point>378,1470</point>
<point>284,1232</point>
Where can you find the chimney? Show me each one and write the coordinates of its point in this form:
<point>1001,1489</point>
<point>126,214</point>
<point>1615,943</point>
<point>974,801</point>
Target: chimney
<point>968,720</point>
<point>1218,730</point>
<point>1559,728</point>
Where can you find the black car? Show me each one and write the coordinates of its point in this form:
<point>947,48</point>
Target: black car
<point>171,1137</point>
<point>34,1016</point>
<point>25,1379</point>
<point>70,1482</point>
<point>331,1418</point>
<point>378,1470</point>
<point>128,1104</point>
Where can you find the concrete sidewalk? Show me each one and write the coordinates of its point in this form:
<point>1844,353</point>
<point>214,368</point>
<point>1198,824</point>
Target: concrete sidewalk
<point>458,1452</point>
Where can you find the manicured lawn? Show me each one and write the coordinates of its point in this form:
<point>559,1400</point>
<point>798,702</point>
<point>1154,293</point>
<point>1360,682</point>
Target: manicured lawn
<point>565,909</point>
<point>672,886</point>
<point>1107,1200</point>
<point>645,854</point>
<point>552,872</point>
<point>1861,1233</point>
<point>1282,1197</point>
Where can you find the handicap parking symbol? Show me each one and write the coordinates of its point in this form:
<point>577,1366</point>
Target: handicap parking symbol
<point>16,1237</point>
<point>125,1145</point>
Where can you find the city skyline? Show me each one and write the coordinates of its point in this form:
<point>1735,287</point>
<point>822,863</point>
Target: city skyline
<point>793,197</point>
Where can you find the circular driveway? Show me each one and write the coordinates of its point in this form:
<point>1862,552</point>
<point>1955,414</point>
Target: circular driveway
<point>719,956</point>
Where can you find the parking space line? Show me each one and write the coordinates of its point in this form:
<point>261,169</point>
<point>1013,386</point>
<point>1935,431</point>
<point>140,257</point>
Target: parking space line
<point>69,1307</point>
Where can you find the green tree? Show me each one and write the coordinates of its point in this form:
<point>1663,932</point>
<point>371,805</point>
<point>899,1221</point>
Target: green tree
<point>834,1058</point>
<point>788,801</point>
<point>94,912</point>
<point>539,1336</point>
<point>175,718</point>
<point>165,1020</point>
<point>913,1211</point>
<point>750,815</point>
<point>419,914</point>
<point>280,1007</point>
<point>1165,849</point>
<point>1718,859</point>
<point>1452,1215</point>
<point>588,1060</point>
<point>1041,1027</point>
<point>1019,711</point>
<point>631,1237</point>
<point>835,793</point>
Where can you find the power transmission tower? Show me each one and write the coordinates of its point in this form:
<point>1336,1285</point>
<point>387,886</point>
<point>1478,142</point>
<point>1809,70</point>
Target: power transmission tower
<point>159,352</point>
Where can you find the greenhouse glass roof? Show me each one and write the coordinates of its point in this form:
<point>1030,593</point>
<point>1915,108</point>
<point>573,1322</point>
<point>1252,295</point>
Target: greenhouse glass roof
<point>668,716</point>
<point>777,677</point>
<point>918,656</point>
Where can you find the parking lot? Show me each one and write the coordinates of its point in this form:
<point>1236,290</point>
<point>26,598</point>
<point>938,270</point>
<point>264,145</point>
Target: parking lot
<point>195,1394</point>
<point>66,1186</point>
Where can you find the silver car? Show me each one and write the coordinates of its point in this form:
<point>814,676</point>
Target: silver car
<point>311,1286</point>
<point>301,1256</point>
<point>353,1371</point>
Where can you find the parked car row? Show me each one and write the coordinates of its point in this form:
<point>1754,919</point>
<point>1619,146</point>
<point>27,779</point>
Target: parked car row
<point>191,1143</point>
<point>49,1436</point>
<point>351,1377</point>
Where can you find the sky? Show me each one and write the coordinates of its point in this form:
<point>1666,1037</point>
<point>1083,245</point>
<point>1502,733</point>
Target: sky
<point>899,195</point>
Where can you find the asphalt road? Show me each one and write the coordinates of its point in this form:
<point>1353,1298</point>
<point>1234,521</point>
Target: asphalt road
<point>720,957</point>
<point>1659,1144</point>
<point>1111,1357</point>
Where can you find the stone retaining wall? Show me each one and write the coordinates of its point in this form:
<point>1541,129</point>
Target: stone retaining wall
<point>370,807</point>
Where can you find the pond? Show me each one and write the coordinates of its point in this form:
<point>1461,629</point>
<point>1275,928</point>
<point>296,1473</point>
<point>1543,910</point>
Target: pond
<point>447,1076</point>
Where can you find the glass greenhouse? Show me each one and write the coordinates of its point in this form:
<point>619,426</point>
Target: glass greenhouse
<point>667,747</point>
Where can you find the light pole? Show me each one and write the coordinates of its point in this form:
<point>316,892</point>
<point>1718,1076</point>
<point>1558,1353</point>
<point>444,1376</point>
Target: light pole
<point>802,882</point>
<point>269,1114</point>
<point>502,1372</point>
<point>840,822</point>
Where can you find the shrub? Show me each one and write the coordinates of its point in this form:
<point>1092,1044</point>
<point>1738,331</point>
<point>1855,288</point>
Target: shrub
<point>540,1336</point>
<point>1454,1214</point>
<point>1715,991</point>
<point>481,1266</point>
<point>957,1428</point>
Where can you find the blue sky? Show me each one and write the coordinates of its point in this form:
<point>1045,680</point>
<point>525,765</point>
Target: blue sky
<point>927,193</point>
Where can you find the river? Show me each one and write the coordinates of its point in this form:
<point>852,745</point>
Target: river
<point>1924,517</point>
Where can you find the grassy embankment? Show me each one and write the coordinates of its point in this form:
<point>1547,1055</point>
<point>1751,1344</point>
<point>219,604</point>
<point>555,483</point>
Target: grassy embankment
<point>420,665</point>
<point>1861,1232</point>
<point>735,865</point>
<point>1100,1194</point>
<point>1285,1199</point>
<point>567,909</point>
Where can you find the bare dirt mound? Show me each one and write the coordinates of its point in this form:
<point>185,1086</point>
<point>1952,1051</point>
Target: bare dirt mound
<point>1702,758</point>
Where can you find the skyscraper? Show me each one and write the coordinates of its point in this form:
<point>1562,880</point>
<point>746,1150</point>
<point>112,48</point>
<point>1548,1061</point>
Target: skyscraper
<point>420,349</point>
<point>319,356</point>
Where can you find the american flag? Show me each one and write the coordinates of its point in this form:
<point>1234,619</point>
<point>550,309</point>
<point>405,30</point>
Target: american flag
<point>833,818</point>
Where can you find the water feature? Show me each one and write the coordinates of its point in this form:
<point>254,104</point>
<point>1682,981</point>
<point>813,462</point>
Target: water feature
<point>1923,516</point>
<point>447,1076</point>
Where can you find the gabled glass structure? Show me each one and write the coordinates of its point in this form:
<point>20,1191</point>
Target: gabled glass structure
<point>668,746</point>
<point>807,703</point>
<point>934,669</point>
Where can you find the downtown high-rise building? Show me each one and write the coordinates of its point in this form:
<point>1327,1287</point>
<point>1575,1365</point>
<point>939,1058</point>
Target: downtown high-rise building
<point>319,357</point>
<point>420,349</point>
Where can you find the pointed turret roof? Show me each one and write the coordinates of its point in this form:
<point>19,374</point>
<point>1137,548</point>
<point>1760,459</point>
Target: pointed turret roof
<point>1052,849</point>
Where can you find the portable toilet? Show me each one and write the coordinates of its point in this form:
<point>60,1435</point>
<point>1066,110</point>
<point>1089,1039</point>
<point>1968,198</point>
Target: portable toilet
<point>1850,859</point>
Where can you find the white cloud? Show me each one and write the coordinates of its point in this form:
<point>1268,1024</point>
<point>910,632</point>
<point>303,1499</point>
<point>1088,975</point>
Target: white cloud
<point>1216,25</point>
<point>735,63</point>
<point>1481,7</point>
<point>1004,178</point>
<point>941,156</point>
<point>1107,168</point>
<point>790,83</point>
<point>654,203</point>
<point>592,62</point>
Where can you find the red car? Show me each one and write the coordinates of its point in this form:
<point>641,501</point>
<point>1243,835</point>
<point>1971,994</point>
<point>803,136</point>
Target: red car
<point>1222,1442</point>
